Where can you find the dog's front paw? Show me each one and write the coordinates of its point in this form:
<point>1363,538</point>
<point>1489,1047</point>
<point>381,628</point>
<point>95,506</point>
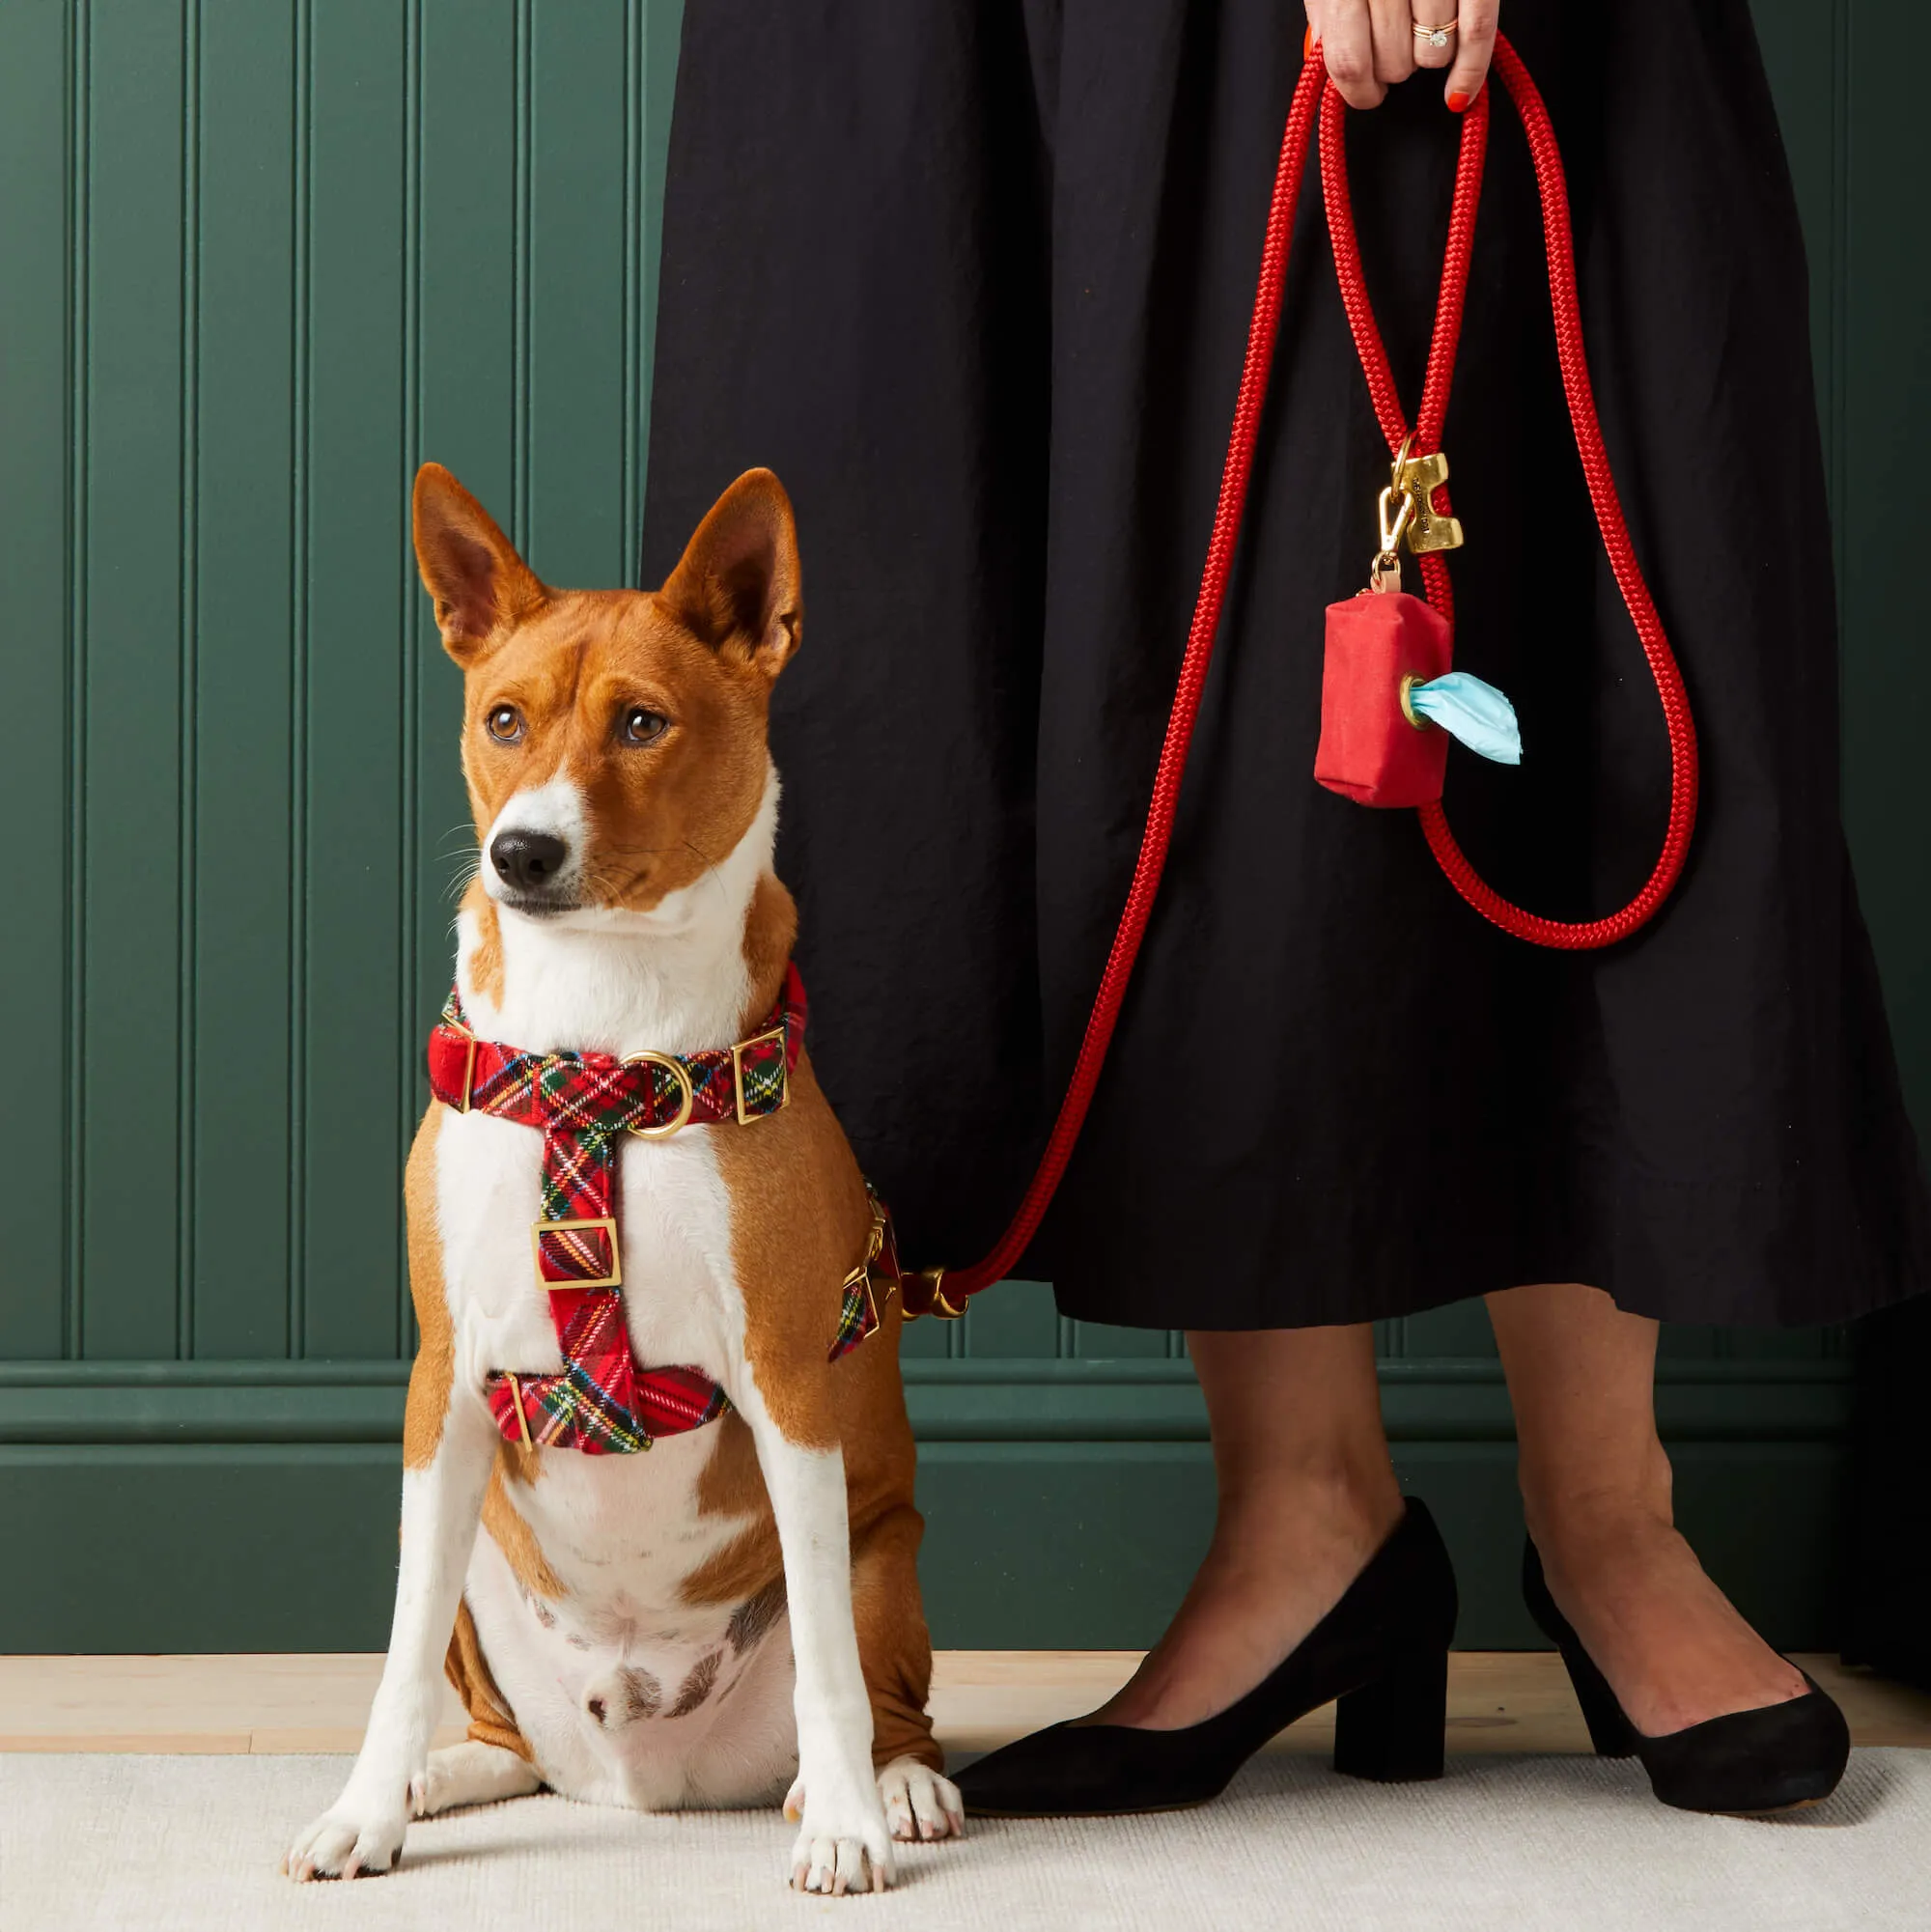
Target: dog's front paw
<point>470,1773</point>
<point>842,1841</point>
<point>348,1842</point>
<point>920,1802</point>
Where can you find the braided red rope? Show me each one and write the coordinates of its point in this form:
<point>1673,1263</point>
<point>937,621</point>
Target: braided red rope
<point>1543,151</point>
<point>1199,653</point>
<point>1308,94</point>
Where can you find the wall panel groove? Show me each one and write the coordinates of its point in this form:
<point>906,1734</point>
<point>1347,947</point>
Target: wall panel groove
<point>519,287</point>
<point>408,606</point>
<point>186,621</point>
<point>299,161</point>
<point>79,386</point>
<point>629,520</point>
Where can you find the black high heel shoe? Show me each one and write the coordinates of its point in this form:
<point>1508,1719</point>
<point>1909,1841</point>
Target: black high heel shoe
<point>1383,1651</point>
<point>1772,1758</point>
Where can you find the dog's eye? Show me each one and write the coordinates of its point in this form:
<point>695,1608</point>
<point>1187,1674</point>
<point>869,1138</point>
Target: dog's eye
<point>640,726</point>
<point>505,725</point>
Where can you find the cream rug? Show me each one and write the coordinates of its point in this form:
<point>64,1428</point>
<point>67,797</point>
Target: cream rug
<point>1503,1844</point>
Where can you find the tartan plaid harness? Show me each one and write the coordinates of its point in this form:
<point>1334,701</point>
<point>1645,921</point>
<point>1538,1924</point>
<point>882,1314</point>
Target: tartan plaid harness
<point>602,1402</point>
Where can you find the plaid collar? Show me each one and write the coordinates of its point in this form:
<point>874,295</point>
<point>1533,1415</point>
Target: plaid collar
<point>602,1402</point>
<point>650,1095</point>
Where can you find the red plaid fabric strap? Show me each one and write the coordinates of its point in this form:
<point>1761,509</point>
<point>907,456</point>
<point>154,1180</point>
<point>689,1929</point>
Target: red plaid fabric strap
<point>599,1093</point>
<point>601,1402</point>
<point>877,1277</point>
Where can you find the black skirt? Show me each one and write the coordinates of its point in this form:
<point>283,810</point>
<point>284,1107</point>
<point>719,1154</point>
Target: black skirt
<point>975,281</point>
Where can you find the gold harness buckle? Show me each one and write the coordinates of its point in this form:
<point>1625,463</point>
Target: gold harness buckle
<point>738,1053</point>
<point>516,1396</point>
<point>609,1223</point>
<point>686,1094</point>
<point>469,1066</point>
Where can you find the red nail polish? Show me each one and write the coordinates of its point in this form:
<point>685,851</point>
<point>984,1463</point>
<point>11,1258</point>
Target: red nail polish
<point>1307,44</point>
<point>1458,102</point>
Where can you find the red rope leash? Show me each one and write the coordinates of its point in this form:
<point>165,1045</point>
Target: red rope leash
<point>1549,181</point>
<point>1194,664</point>
<point>949,1291</point>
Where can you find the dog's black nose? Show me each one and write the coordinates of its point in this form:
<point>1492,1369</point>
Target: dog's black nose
<point>528,860</point>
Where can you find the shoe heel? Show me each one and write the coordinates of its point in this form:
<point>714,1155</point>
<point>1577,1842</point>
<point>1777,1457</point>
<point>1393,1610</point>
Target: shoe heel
<point>1391,1730</point>
<point>1609,1731</point>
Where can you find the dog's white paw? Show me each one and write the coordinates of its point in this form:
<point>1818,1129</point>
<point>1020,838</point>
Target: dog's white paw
<point>920,1802</point>
<point>349,1841</point>
<point>470,1773</point>
<point>842,1843</point>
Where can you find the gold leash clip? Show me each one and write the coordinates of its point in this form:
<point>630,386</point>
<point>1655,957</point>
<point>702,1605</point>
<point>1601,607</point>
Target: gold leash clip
<point>1417,478</point>
<point>924,1294</point>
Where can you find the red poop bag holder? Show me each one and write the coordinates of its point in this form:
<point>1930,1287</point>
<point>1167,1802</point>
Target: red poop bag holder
<point>1383,647</point>
<point>1382,643</point>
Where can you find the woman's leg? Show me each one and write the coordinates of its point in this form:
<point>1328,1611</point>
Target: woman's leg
<point>1306,1495</point>
<point>1596,1490</point>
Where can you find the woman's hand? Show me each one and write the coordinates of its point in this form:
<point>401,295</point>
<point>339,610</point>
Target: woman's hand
<point>1371,45</point>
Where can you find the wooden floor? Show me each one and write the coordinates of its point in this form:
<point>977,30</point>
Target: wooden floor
<point>1498,1700</point>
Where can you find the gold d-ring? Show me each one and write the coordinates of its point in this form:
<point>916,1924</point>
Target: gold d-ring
<point>682,1074</point>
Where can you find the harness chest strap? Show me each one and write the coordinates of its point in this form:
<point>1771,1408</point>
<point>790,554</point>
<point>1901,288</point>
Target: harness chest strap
<point>602,1402</point>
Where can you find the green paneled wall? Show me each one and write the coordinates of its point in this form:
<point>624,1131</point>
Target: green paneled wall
<point>256,259</point>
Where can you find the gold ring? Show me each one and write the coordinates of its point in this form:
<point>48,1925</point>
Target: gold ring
<point>687,1095</point>
<point>1435,36</point>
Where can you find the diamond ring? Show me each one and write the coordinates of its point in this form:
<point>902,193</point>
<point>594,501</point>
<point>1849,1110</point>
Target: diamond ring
<point>1434,37</point>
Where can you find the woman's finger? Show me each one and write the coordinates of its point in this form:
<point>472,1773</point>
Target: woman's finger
<point>1344,32</point>
<point>1434,47</point>
<point>1393,26</point>
<point>1474,44</point>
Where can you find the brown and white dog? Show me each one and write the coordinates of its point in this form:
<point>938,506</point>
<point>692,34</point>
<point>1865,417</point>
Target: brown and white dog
<point>739,1608</point>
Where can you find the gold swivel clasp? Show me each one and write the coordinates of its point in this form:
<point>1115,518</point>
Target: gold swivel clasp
<point>1417,478</point>
<point>1406,514</point>
<point>924,1294</point>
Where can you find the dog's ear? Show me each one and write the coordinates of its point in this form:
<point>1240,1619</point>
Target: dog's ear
<point>471,571</point>
<point>738,586</point>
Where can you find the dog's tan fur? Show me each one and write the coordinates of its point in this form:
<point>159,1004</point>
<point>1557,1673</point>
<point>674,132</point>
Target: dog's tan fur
<point>431,1373</point>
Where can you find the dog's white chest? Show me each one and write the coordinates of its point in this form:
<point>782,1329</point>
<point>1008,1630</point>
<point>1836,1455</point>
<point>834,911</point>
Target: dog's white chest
<point>628,1691</point>
<point>674,1226</point>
